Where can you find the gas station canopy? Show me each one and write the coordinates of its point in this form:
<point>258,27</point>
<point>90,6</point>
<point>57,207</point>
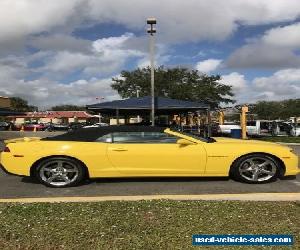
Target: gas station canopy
<point>7,112</point>
<point>142,105</point>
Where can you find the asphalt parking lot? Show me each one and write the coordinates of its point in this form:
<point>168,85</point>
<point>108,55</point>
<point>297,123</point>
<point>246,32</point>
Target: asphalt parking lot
<point>19,187</point>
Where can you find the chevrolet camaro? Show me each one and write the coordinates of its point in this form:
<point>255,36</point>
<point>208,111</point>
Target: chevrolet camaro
<point>137,151</point>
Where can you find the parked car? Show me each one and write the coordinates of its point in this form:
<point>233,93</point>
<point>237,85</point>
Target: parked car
<point>4,125</point>
<point>281,128</point>
<point>139,151</point>
<point>254,128</point>
<point>75,125</point>
<point>295,131</point>
<point>37,126</point>
<point>96,125</point>
<point>56,127</point>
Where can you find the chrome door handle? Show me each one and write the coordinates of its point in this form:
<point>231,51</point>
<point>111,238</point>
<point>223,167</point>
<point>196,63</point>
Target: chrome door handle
<point>118,149</point>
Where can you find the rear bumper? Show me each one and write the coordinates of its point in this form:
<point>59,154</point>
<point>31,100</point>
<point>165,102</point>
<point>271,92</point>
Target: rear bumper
<point>7,172</point>
<point>14,165</point>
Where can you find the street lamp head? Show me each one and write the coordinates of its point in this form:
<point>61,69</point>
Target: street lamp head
<point>151,20</point>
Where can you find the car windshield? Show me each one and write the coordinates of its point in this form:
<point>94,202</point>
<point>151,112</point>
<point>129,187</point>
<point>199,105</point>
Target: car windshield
<point>195,136</point>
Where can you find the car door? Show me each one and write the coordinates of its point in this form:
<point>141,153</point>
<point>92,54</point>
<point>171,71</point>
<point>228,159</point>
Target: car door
<point>155,154</point>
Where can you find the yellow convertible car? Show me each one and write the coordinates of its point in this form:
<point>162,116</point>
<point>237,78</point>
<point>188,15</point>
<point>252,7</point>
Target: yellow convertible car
<point>135,151</point>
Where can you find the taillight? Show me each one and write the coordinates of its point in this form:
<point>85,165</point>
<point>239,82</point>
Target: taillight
<point>6,149</point>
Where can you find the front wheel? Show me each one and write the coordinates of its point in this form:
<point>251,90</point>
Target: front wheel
<point>255,168</point>
<point>60,172</point>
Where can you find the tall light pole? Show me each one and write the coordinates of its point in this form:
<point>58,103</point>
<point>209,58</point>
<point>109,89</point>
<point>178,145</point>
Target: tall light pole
<point>152,21</point>
<point>99,98</point>
<point>137,96</point>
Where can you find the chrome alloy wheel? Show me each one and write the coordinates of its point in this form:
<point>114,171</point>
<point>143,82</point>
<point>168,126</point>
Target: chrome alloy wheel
<point>257,169</point>
<point>59,172</point>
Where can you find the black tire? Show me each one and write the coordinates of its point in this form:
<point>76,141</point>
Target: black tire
<point>243,170</point>
<point>63,168</point>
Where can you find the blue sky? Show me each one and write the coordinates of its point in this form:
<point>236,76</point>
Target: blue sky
<point>66,52</point>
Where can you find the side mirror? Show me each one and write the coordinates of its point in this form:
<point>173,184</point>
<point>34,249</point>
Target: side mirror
<point>184,142</point>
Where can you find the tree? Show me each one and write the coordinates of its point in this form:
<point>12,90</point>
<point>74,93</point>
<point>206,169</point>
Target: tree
<point>68,107</point>
<point>176,83</point>
<point>21,105</point>
<point>277,109</point>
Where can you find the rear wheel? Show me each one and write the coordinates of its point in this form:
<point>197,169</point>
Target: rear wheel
<point>60,172</point>
<point>255,168</point>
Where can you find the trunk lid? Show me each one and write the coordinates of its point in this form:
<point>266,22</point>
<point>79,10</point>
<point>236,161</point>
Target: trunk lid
<point>23,139</point>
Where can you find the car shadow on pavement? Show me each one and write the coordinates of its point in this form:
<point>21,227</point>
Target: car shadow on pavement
<point>158,179</point>
<point>27,179</point>
<point>31,180</point>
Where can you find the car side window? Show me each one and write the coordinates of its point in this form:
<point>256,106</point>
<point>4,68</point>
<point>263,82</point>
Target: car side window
<point>138,137</point>
<point>105,138</point>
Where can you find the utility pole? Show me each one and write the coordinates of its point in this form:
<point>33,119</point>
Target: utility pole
<point>152,21</point>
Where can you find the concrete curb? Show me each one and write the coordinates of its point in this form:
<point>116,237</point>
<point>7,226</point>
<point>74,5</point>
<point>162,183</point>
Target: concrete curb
<point>289,143</point>
<point>206,197</point>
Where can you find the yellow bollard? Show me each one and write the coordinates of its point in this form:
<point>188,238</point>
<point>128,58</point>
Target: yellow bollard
<point>244,122</point>
<point>22,128</point>
<point>221,117</point>
<point>34,129</point>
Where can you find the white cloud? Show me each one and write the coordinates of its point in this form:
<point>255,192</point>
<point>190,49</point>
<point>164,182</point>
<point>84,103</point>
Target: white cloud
<point>287,36</point>
<point>161,57</point>
<point>242,89</point>
<point>208,65</point>
<point>259,55</point>
<point>25,17</point>
<point>202,19</point>
<point>43,92</point>
<point>236,80</point>
<point>205,20</point>
<point>58,42</point>
<point>104,44</point>
<point>282,84</point>
<point>106,56</point>
<point>46,93</point>
<point>103,59</point>
<point>12,66</point>
<point>275,49</point>
<point>65,61</point>
<point>48,26</point>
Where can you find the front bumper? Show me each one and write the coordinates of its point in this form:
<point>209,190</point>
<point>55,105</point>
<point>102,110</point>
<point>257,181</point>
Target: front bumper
<point>291,163</point>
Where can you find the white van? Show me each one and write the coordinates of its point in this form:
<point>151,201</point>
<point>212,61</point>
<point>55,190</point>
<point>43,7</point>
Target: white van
<point>258,127</point>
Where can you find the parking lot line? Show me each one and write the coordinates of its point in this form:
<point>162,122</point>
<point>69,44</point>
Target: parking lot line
<point>216,197</point>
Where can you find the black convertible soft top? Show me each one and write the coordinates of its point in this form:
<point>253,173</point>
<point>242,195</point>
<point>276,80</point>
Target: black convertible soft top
<point>91,134</point>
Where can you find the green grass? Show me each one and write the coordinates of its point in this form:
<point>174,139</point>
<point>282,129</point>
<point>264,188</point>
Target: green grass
<point>287,139</point>
<point>141,225</point>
